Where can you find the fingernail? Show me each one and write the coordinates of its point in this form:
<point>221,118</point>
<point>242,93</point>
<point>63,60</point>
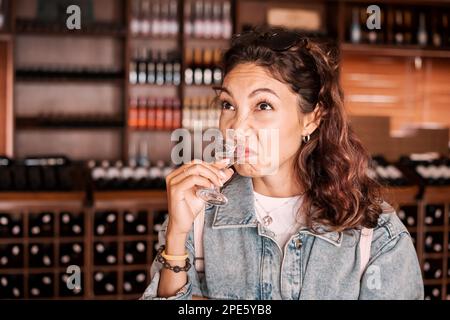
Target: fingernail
<point>225,161</point>
<point>223,174</point>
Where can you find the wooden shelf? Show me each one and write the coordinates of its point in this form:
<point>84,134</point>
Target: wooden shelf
<point>33,27</point>
<point>41,123</point>
<point>41,197</point>
<point>432,281</point>
<point>434,228</point>
<point>153,38</point>
<point>124,267</point>
<point>4,36</point>
<point>89,76</point>
<point>159,196</point>
<point>434,255</point>
<point>125,238</point>
<point>393,50</point>
<point>435,194</point>
<point>404,195</point>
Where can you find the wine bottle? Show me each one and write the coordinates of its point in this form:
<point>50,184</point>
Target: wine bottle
<point>217,71</point>
<point>111,177</point>
<point>398,26</point>
<point>71,224</point>
<point>176,69</point>
<point>199,26</point>
<point>433,242</point>
<point>432,292</point>
<point>41,255</point>
<point>151,68</point>
<point>41,225</point>
<point>6,180</point>
<point>227,28</point>
<point>134,281</point>
<point>445,30</point>
<point>2,15</point>
<point>186,115</point>
<point>133,122</point>
<point>142,113</point>
<point>135,23</point>
<point>41,285</point>
<point>422,36</point>
<point>407,27</point>
<point>146,22</point>
<point>105,223</point>
<point>207,21</point>
<point>355,30</point>
<point>164,21</point>
<point>160,69</point>
<point>135,253</point>
<point>142,67</point>
<point>168,113</point>
<point>159,114</point>
<point>198,72</point>
<point>105,253</point>
<point>105,283</point>
<point>208,67</point>
<point>189,19</point>
<point>169,68</point>
<point>189,72</point>
<point>176,114</point>
<point>71,253</point>
<point>64,290</point>
<point>5,222</point>
<point>216,20</point>
<point>173,18</point>
<point>436,30</point>
<point>156,19</point>
<point>151,113</point>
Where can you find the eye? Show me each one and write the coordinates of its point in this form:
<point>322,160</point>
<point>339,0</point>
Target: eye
<point>264,106</point>
<point>227,106</point>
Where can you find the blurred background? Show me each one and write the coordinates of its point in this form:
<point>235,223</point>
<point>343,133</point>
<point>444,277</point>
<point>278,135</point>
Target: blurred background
<point>86,117</point>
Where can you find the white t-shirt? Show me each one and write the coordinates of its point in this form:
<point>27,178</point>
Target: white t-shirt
<point>283,212</point>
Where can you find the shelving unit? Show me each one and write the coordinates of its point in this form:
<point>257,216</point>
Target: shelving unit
<point>26,205</point>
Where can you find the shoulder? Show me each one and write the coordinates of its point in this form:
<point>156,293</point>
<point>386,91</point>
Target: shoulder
<point>389,230</point>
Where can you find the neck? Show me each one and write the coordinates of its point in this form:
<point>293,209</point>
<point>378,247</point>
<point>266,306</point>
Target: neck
<point>280,185</point>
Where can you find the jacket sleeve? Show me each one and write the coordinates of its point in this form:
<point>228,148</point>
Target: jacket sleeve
<point>192,287</point>
<point>393,273</point>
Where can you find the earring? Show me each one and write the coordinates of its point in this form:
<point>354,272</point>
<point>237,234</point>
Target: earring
<point>306,138</point>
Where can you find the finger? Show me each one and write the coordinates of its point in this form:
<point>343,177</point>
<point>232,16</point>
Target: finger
<point>201,170</point>
<point>222,163</point>
<point>180,169</point>
<point>190,182</point>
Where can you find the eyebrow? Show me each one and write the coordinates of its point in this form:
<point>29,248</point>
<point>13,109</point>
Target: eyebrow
<point>254,92</point>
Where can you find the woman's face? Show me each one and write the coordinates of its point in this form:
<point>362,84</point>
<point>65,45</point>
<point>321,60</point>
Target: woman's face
<point>265,115</point>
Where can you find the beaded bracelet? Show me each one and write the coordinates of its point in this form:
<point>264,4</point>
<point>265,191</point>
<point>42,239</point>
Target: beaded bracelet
<point>160,258</point>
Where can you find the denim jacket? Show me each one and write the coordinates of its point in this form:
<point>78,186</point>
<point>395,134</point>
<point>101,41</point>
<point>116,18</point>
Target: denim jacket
<point>243,261</point>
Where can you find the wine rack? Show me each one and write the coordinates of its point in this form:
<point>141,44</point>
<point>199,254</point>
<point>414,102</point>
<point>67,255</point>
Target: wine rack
<point>44,242</point>
<point>111,241</point>
<point>123,252</point>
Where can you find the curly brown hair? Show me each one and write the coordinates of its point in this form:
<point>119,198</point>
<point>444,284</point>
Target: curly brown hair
<point>332,165</point>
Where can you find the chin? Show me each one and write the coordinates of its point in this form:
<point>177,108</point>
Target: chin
<point>254,171</point>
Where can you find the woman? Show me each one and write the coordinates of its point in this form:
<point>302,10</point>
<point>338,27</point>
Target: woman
<point>293,233</point>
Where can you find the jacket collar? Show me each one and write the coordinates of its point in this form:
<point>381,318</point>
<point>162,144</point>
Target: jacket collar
<point>239,212</point>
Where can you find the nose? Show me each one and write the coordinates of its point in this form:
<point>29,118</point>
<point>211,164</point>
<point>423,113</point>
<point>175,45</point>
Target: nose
<point>241,122</point>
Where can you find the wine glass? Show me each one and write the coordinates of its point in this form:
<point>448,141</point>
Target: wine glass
<point>213,195</point>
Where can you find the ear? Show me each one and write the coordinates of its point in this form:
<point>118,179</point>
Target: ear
<point>311,121</point>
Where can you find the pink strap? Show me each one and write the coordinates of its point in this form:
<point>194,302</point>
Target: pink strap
<point>364,246</point>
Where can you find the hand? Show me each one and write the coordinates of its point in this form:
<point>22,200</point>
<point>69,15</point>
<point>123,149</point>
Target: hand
<point>182,183</point>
